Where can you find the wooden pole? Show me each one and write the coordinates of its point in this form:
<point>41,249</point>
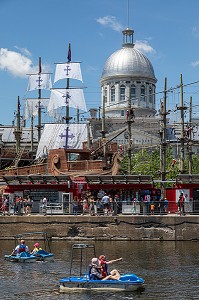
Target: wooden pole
<point>17,132</point>
<point>163,145</point>
<point>182,152</point>
<point>39,105</point>
<point>190,136</point>
<point>129,134</point>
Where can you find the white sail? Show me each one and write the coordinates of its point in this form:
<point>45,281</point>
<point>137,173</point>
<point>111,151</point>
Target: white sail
<point>54,137</point>
<point>66,97</point>
<point>39,81</point>
<point>68,70</point>
<point>31,107</point>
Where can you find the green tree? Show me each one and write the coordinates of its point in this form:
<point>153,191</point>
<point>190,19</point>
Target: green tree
<point>195,164</point>
<point>146,162</point>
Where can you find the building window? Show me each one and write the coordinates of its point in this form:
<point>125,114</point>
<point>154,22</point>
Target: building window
<point>122,93</point>
<point>150,95</point>
<point>142,93</point>
<point>122,113</point>
<point>133,93</point>
<point>105,94</point>
<point>112,94</point>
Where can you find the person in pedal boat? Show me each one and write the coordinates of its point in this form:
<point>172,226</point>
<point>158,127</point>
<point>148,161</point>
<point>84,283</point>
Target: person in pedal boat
<point>114,275</point>
<point>104,264</point>
<point>95,269</point>
<point>36,248</point>
<point>20,248</point>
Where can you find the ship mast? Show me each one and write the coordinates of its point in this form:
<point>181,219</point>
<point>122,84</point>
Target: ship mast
<point>18,130</point>
<point>38,82</point>
<point>67,118</point>
<point>39,102</point>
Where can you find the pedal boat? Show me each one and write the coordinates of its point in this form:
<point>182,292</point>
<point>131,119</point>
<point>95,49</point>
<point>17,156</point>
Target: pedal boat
<point>40,255</point>
<point>127,282</point>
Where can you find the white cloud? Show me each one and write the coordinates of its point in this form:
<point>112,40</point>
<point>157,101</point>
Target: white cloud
<point>144,47</point>
<point>15,63</point>
<point>18,64</point>
<point>195,31</point>
<point>92,68</point>
<point>195,63</point>
<point>24,51</point>
<point>110,21</point>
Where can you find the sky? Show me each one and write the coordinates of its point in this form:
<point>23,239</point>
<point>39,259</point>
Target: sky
<point>167,32</point>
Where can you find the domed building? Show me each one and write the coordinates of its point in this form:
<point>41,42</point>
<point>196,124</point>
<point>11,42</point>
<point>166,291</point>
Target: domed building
<point>128,75</point>
<point>128,80</point>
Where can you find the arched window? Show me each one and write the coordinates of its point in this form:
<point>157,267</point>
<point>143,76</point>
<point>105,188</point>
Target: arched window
<point>142,93</point>
<point>112,93</point>
<point>105,94</point>
<point>150,95</point>
<point>133,93</point>
<point>122,93</point>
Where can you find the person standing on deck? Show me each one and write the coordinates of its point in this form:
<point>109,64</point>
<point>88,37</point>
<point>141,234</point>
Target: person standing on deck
<point>105,202</point>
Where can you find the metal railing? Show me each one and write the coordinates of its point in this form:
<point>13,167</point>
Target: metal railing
<point>122,208</point>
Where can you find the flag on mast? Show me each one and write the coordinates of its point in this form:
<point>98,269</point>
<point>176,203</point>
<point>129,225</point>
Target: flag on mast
<point>40,65</point>
<point>63,97</point>
<point>69,53</point>
<point>31,107</point>
<point>54,137</point>
<point>39,81</point>
<point>68,70</point>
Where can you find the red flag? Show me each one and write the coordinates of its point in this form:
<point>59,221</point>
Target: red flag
<point>69,53</point>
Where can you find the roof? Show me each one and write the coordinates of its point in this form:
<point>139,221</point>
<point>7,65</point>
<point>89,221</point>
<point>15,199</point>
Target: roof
<point>35,179</point>
<point>119,179</point>
<point>128,61</point>
<point>187,178</point>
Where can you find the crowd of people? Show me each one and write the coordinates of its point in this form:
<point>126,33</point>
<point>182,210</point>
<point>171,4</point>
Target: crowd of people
<point>21,205</point>
<point>111,204</point>
<point>96,205</point>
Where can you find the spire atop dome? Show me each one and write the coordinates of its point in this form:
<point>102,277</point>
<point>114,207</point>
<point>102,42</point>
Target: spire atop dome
<point>128,37</point>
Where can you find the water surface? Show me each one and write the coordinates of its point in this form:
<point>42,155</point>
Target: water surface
<point>170,271</point>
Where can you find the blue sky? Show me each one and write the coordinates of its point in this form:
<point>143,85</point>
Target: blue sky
<point>167,32</point>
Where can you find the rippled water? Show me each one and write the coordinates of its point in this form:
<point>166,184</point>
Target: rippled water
<point>170,270</point>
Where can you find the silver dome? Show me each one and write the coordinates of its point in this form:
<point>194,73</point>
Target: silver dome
<point>128,61</point>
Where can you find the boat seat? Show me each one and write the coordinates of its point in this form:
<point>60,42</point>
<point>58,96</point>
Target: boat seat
<point>41,251</point>
<point>24,254</point>
<point>128,277</point>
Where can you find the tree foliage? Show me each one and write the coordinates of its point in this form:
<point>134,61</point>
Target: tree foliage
<point>146,162</point>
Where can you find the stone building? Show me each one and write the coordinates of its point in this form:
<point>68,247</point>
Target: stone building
<point>128,78</point>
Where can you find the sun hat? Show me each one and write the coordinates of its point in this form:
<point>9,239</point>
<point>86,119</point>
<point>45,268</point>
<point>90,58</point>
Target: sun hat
<point>95,261</point>
<point>36,245</point>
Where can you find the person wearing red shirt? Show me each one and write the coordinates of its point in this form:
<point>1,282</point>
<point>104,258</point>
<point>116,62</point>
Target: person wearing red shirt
<point>104,264</point>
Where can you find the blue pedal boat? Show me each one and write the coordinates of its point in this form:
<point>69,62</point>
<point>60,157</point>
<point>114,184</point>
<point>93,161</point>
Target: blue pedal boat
<point>22,257</point>
<point>127,282</point>
<point>40,255</point>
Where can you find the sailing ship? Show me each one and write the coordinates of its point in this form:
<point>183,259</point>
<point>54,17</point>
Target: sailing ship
<point>60,144</point>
